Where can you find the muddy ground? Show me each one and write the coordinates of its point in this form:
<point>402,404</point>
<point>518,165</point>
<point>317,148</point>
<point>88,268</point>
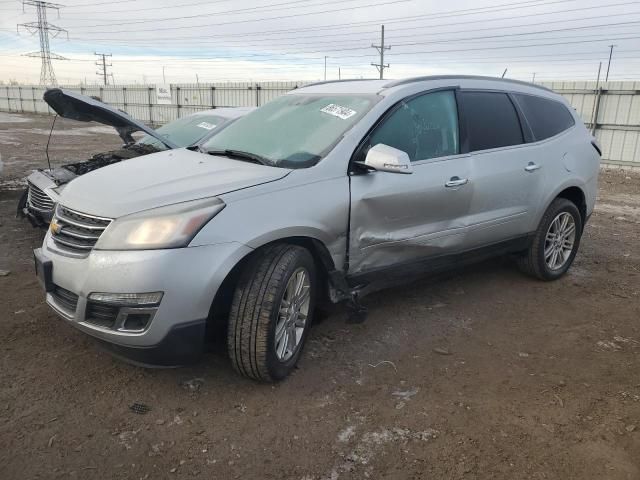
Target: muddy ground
<point>481,373</point>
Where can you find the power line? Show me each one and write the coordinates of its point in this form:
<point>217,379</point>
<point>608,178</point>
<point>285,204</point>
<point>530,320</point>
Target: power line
<point>411,18</point>
<point>359,39</point>
<point>469,11</point>
<point>451,40</point>
<point>129,10</point>
<point>281,17</point>
<point>260,9</point>
<point>235,22</point>
<point>44,29</point>
<point>189,39</point>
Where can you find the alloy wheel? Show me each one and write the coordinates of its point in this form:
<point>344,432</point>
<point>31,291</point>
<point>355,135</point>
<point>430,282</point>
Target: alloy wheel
<point>559,241</point>
<point>293,314</point>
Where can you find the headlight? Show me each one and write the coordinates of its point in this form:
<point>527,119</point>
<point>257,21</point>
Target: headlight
<point>165,227</point>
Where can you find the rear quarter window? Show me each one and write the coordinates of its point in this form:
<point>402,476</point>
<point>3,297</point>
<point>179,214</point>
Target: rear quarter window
<point>546,117</point>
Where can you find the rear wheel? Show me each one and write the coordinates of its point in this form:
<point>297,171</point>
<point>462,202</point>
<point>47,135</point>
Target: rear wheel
<point>271,312</point>
<point>555,243</point>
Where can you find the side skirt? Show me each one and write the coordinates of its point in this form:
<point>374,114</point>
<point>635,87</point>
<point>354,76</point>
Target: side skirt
<point>362,284</point>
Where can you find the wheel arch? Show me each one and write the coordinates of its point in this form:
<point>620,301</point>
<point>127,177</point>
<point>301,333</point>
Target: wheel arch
<point>572,192</point>
<point>577,196</point>
<point>219,310</point>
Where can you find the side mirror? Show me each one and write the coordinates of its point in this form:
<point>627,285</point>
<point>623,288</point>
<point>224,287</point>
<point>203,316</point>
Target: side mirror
<point>384,158</point>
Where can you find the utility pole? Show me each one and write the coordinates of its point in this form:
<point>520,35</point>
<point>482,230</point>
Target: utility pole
<point>45,30</point>
<point>164,80</point>
<point>381,48</point>
<point>325,67</point>
<point>609,64</point>
<point>533,80</point>
<point>102,66</point>
<point>339,74</point>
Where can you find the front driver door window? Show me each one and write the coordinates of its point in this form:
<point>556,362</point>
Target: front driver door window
<point>397,218</point>
<point>424,127</point>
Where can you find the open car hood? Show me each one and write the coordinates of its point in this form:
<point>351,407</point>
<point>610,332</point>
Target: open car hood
<point>72,105</point>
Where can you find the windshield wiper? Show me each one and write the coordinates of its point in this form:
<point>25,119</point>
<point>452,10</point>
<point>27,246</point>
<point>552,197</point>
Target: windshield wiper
<point>240,155</point>
<point>196,148</point>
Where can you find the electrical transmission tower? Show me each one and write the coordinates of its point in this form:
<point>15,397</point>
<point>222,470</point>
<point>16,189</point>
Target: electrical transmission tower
<point>102,66</point>
<point>381,48</point>
<point>45,30</point>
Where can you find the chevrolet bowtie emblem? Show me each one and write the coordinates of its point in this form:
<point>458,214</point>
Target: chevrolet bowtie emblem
<point>54,226</point>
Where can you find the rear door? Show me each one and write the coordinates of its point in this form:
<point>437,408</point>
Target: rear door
<point>507,176</point>
<point>397,218</point>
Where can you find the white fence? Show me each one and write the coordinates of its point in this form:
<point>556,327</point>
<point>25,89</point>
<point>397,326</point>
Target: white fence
<point>614,105</point>
<point>140,101</point>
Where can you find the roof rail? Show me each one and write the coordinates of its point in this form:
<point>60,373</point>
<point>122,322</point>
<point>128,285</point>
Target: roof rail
<point>462,77</point>
<point>339,81</point>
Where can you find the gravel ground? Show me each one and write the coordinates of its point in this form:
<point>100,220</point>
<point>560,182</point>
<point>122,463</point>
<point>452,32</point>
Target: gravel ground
<point>480,373</point>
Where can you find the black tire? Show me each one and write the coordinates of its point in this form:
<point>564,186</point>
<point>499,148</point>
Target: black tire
<point>532,262</point>
<point>22,204</point>
<point>255,307</point>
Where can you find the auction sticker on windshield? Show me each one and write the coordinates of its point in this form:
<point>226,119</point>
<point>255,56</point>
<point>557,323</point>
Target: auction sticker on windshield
<point>338,111</point>
<point>206,125</point>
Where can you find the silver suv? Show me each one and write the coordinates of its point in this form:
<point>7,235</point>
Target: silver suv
<point>326,193</point>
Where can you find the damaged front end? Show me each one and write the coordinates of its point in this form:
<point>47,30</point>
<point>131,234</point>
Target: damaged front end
<point>103,159</point>
<point>44,186</point>
<point>37,203</point>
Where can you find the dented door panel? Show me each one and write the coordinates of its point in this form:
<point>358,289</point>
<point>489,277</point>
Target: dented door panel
<point>399,218</point>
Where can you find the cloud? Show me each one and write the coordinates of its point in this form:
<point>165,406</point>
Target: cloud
<point>288,39</point>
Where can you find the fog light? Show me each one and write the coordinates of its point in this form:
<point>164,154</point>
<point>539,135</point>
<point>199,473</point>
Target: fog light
<point>128,299</point>
<point>124,312</point>
<point>132,321</point>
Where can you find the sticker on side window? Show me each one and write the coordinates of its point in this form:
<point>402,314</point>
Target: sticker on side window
<point>206,125</point>
<point>338,111</point>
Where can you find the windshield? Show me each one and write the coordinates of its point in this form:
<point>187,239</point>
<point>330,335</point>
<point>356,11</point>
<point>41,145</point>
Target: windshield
<point>185,131</point>
<point>293,131</point>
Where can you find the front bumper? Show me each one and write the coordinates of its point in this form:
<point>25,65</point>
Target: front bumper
<point>39,200</point>
<point>37,218</point>
<point>181,346</point>
<point>189,278</point>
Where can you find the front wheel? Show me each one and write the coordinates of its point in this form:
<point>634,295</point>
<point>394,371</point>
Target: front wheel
<point>555,243</point>
<point>271,312</point>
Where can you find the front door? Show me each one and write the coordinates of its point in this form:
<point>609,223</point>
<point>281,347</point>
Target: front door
<point>396,218</point>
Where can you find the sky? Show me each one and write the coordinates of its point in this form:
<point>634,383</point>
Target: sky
<point>189,41</point>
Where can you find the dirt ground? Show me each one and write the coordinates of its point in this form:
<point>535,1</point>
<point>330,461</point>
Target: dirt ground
<point>481,373</point>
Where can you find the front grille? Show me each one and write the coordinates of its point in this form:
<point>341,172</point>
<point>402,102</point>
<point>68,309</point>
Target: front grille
<point>101,315</point>
<point>38,200</point>
<point>65,299</point>
<point>76,232</point>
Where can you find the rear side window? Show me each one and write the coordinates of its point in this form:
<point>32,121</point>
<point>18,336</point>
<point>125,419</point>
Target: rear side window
<point>492,120</point>
<point>546,117</point>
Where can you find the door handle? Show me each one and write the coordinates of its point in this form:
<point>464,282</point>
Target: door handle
<point>531,167</point>
<point>456,182</point>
